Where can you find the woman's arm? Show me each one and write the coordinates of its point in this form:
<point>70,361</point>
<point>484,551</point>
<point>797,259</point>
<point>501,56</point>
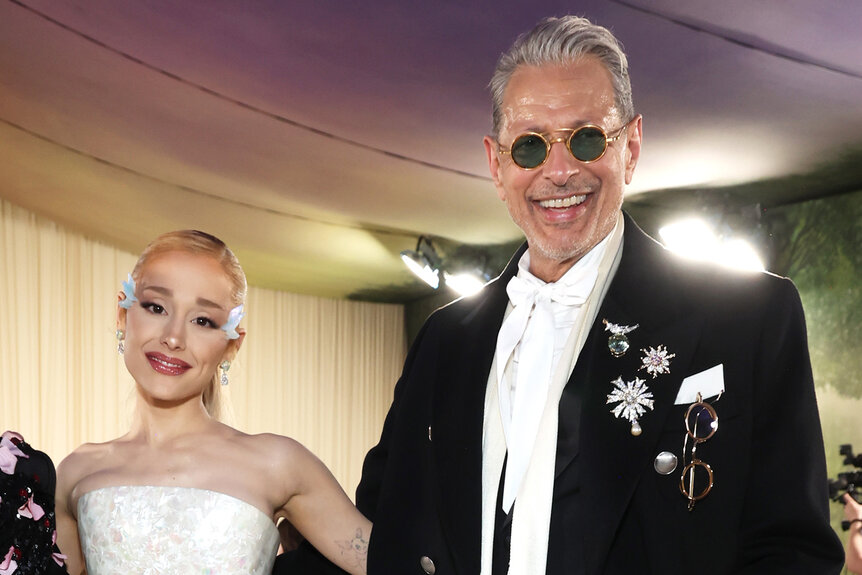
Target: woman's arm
<point>323,513</point>
<point>67,524</point>
<point>853,553</point>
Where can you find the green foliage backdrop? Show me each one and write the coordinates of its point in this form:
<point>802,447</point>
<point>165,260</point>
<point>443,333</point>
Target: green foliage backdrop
<point>821,251</point>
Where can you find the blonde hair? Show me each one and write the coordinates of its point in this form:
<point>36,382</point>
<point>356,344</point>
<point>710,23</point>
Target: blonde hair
<point>200,243</point>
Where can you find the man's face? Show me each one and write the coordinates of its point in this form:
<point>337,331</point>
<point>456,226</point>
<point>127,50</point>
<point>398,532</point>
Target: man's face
<point>564,207</point>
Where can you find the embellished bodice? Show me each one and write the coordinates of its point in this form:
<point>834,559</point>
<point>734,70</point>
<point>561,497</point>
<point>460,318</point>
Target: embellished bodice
<point>156,530</point>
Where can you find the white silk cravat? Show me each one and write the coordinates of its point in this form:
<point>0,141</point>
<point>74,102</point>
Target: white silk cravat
<point>531,526</point>
<point>531,323</point>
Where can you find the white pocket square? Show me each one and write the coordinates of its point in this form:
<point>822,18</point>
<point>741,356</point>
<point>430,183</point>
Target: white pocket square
<point>708,383</point>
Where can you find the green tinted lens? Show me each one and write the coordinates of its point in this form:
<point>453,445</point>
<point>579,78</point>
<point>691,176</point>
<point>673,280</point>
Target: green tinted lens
<point>529,151</point>
<point>588,144</point>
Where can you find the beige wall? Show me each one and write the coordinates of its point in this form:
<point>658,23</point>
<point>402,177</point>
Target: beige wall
<point>319,370</point>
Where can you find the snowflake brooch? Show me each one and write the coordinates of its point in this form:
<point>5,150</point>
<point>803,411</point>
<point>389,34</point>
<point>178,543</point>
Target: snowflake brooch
<point>656,361</point>
<point>631,398</point>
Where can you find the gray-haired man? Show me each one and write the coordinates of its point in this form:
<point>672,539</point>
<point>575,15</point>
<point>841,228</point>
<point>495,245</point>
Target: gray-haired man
<point>565,420</point>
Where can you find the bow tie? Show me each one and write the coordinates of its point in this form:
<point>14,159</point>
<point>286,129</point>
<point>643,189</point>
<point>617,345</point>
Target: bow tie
<point>528,291</point>
<point>531,323</point>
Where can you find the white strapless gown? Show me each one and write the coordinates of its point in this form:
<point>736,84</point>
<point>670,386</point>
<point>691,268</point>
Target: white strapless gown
<point>165,530</point>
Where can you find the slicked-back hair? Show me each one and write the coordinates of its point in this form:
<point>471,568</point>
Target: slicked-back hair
<point>204,244</point>
<point>559,42</point>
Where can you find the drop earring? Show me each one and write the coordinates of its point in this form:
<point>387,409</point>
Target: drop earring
<point>121,335</point>
<point>225,366</point>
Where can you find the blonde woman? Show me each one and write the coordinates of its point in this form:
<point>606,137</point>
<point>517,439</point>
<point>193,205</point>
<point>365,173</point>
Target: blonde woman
<point>182,492</point>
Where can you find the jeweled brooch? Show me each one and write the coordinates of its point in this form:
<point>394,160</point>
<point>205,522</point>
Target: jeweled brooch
<point>618,343</point>
<point>631,398</point>
<point>656,361</point>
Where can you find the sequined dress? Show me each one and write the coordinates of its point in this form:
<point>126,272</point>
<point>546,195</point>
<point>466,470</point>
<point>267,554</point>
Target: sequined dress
<point>183,530</point>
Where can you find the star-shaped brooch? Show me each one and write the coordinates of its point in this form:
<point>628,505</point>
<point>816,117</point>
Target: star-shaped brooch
<point>631,398</point>
<point>656,361</point>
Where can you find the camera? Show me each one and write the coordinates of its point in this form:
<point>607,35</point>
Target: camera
<point>848,481</point>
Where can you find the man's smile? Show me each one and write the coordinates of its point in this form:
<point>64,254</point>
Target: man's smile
<point>566,202</point>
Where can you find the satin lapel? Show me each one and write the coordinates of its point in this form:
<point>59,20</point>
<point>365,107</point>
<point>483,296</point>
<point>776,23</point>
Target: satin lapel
<point>459,403</point>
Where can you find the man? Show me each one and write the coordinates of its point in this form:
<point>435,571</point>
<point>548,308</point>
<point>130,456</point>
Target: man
<point>565,420</point>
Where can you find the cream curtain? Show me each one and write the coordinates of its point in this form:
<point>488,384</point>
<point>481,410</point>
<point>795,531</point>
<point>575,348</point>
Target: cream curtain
<point>321,371</point>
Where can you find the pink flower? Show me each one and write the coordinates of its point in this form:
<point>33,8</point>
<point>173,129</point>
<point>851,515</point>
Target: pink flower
<point>8,461</point>
<point>31,509</point>
<point>9,451</point>
<point>11,440</point>
<point>8,565</point>
<point>58,557</point>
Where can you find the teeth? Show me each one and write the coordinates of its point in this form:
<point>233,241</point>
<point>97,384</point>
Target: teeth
<point>563,202</point>
<point>166,363</point>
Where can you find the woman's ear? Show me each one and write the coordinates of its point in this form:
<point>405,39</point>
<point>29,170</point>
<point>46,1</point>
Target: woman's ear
<point>121,312</point>
<point>234,345</point>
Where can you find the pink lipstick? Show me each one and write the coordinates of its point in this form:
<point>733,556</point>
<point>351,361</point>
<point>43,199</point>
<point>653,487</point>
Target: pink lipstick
<point>167,365</point>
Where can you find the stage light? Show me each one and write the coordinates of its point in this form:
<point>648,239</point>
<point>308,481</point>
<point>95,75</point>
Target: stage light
<point>423,262</point>
<point>429,267</point>
<point>695,239</point>
<point>740,254</point>
<point>691,238</point>
<point>464,283</point>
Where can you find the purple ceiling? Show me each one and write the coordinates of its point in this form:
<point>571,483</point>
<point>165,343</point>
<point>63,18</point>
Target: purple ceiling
<point>320,138</point>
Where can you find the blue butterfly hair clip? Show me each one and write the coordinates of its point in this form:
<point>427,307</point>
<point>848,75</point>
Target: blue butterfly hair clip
<point>129,291</point>
<point>233,319</point>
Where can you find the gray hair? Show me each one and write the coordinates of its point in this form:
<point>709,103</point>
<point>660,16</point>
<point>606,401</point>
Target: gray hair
<point>561,41</point>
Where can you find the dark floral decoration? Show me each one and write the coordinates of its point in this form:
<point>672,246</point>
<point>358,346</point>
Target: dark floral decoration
<point>27,521</point>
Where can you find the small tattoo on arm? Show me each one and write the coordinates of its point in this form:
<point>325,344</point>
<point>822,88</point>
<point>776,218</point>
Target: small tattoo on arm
<point>355,551</point>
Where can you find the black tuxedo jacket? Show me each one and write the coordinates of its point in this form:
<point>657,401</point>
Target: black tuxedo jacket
<point>612,512</point>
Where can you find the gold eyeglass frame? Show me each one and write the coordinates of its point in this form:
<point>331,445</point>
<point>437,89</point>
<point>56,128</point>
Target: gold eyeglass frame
<point>695,462</point>
<point>550,141</point>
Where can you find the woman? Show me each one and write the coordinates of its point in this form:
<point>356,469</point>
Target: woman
<point>27,518</point>
<point>853,520</point>
<point>182,492</point>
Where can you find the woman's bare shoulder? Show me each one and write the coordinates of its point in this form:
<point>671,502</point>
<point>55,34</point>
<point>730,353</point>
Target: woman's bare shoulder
<point>273,445</point>
<point>283,457</point>
<point>76,467</point>
<point>85,457</point>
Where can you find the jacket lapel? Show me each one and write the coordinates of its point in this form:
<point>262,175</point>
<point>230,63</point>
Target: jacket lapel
<point>459,401</point>
<point>612,458</point>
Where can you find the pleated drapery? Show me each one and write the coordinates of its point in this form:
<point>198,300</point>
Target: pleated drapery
<point>319,370</point>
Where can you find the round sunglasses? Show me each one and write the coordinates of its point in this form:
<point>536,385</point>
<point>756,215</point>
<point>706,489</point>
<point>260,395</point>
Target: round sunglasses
<point>587,144</point>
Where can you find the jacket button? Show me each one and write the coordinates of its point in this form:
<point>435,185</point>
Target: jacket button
<point>665,463</point>
<point>427,565</point>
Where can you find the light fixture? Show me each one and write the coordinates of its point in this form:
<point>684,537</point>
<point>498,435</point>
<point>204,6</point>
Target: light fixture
<point>740,254</point>
<point>695,239</point>
<point>464,283</point>
<point>427,265</point>
<point>423,262</point>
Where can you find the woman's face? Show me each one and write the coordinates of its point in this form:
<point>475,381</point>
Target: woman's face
<point>174,342</point>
